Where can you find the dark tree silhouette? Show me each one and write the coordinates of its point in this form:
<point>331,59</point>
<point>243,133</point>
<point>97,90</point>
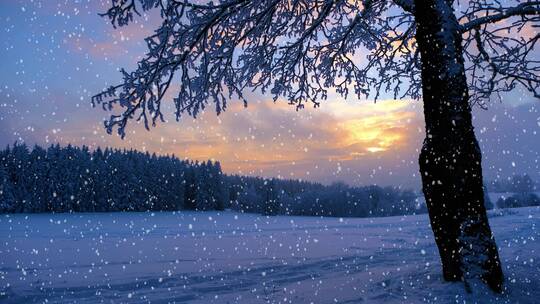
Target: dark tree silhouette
<point>73,179</point>
<point>301,48</point>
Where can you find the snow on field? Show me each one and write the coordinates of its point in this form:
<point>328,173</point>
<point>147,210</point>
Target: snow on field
<point>228,257</point>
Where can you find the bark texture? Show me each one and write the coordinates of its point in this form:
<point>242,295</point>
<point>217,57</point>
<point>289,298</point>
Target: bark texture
<point>450,161</point>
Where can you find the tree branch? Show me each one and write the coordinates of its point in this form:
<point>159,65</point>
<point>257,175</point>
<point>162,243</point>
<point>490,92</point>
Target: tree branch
<point>523,9</point>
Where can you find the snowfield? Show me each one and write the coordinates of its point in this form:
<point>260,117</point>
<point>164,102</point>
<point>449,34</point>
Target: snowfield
<point>212,257</point>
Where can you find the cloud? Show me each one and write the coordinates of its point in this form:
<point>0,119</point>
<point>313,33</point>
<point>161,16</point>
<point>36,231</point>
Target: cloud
<point>339,140</point>
<point>106,42</point>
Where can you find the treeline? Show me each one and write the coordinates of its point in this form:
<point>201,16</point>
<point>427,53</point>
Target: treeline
<point>516,184</point>
<point>524,199</point>
<point>72,179</point>
<point>522,188</point>
<point>290,197</point>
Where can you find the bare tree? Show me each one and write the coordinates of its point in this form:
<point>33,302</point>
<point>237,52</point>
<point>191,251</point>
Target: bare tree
<point>449,53</point>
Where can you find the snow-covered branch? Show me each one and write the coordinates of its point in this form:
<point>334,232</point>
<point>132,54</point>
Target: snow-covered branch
<point>500,44</point>
<point>493,14</point>
<point>297,50</point>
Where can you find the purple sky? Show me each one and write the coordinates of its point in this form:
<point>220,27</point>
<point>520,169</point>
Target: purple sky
<point>57,54</point>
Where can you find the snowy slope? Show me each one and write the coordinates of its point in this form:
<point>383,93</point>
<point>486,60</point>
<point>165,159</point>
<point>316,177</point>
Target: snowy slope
<point>227,257</point>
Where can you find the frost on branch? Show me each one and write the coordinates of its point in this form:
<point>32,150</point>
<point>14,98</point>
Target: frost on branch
<point>500,40</point>
<point>297,50</point>
<point>210,52</point>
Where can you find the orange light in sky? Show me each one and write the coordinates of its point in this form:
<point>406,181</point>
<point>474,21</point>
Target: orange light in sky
<point>272,137</point>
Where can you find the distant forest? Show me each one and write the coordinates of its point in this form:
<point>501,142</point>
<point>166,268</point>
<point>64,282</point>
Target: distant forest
<point>516,183</point>
<point>73,179</point>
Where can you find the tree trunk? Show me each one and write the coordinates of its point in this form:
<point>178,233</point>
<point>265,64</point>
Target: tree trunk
<point>450,161</point>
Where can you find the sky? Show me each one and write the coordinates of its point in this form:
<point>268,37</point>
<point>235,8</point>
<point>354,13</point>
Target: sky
<point>54,55</point>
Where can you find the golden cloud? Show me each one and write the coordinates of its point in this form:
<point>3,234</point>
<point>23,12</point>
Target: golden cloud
<point>272,138</point>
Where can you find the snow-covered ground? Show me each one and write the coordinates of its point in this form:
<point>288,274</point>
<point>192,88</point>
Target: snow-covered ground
<point>227,257</point>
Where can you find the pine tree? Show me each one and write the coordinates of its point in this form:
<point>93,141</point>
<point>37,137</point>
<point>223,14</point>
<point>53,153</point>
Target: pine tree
<point>190,182</point>
<point>7,199</point>
<point>204,198</point>
<point>38,174</point>
<point>271,205</point>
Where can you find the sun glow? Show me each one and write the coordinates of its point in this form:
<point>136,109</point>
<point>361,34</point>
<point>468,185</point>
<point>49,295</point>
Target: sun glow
<point>376,134</point>
<point>375,149</point>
